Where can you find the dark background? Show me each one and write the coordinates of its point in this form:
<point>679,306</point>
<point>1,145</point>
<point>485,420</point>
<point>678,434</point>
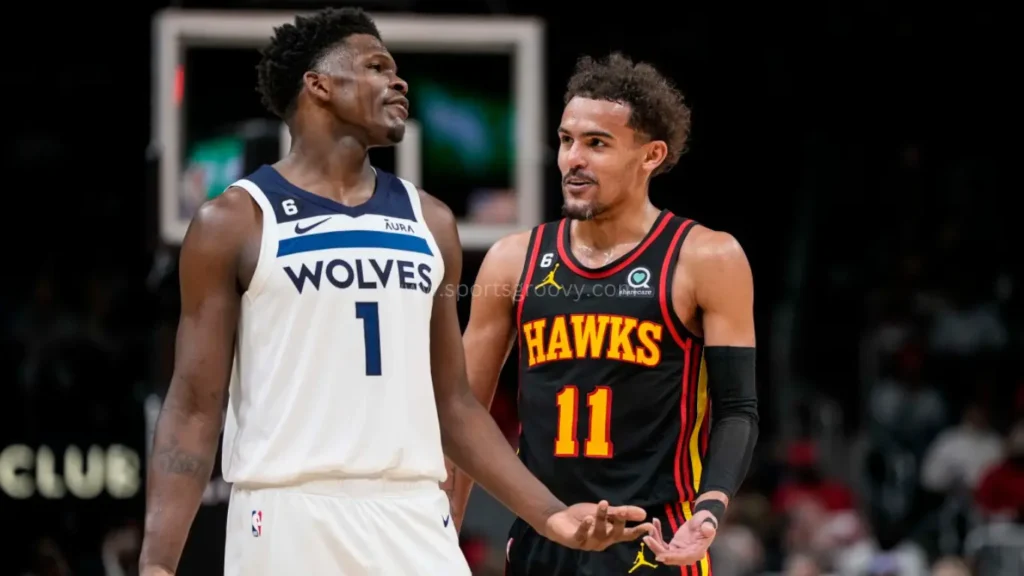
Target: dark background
<point>860,151</point>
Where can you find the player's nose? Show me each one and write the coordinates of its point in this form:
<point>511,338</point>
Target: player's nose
<point>575,157</point>
<point>399,85</point>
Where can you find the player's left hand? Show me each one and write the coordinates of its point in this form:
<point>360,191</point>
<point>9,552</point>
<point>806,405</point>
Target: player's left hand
<point>595,527</point>
<point>689,544</point>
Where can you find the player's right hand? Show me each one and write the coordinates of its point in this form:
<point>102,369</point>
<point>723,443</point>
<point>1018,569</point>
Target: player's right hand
<point>595,527</point>
<point>155,571</point>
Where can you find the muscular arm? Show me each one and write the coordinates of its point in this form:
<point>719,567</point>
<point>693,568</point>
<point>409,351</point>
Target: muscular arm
<point>723,290</point>
<point>185,443</point>
<point>469,435</point>
<point>489,337</point>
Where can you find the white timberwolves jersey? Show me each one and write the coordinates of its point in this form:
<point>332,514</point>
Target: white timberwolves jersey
<point>332,364</point>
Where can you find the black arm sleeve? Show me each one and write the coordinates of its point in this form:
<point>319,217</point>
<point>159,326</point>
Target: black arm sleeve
<point>734,419</point>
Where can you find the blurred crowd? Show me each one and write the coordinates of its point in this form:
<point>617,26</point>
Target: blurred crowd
<point>913,465</point>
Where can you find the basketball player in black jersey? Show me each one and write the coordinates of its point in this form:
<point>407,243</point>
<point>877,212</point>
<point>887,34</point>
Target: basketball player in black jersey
<point>631,324</point>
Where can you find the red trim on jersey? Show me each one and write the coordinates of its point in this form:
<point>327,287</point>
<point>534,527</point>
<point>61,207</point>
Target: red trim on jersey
<point>694,569</point>
<point>681,467</point>
<point>675,524</point>
<point>665,290</point>
<point>591,275</point>
<point>698,354</point>
<point>533,250</point>
<point>528,277</point>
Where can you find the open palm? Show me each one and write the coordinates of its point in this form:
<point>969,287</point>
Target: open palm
<point>596,526</point>
<point>689,544</point>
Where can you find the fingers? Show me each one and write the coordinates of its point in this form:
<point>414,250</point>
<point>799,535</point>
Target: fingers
<point>657,546</point>
<point>657,531</point>
<point>703,525</point>
<point>602,513</point>
<point>584,531</point>
<point>628,513</point>
<point>674,557</point>
<point>630,534</point>
<point>601,528</point>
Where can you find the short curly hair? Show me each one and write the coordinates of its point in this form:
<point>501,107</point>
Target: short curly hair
<point>657,107</point>
<point>296,48</point>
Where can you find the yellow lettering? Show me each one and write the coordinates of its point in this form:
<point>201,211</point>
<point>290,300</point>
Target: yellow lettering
<point>628,339</point>
<point>566,444</point>
<point>589,332</point>
<point>558,347</point>
<point>649,353</point>
<point>599,444</point>
<point>534,334</point>
<point>619,346</point>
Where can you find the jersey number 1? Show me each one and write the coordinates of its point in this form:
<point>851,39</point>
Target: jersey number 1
<point>370,315</point>
<point>598,443</point>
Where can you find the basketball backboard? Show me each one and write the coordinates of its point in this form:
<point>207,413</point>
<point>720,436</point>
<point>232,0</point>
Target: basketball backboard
<point>520,38</point>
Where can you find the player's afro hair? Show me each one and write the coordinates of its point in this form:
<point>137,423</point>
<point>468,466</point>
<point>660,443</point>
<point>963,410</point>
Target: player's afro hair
<point>657,108</point>
<point>295,49</point>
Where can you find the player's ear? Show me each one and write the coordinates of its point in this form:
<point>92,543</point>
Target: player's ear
<point>318,85</point>
<point>655,153</point>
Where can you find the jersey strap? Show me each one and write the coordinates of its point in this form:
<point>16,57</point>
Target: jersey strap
<point>695,405</point>
<point>269,236</point>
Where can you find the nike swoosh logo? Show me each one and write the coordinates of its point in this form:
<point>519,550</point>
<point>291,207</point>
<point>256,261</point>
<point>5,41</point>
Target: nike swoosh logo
<point>300,230</point>
<point>446,519</point>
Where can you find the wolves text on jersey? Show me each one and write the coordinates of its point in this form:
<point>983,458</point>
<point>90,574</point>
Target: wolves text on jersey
<point>363,274</point>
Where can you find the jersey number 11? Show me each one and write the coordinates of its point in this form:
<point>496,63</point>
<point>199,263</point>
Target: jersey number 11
<point>599,408</point>
<point>370,315</point>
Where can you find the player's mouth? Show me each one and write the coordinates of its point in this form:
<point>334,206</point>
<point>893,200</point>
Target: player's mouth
<point>577,186</point>
<point>400,106</point>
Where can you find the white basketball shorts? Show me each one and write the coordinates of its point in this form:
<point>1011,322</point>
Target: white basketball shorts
<point>342,528</point>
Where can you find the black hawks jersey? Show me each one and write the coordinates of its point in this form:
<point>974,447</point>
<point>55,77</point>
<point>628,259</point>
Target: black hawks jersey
<point>612,394</point>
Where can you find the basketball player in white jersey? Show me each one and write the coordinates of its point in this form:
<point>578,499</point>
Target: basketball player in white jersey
<point>324,291</point>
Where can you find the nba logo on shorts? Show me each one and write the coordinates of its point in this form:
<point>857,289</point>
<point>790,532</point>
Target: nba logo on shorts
<point>257,523</point>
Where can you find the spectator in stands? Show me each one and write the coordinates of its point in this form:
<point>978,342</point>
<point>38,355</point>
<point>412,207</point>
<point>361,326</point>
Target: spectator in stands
<point>950,567</point>
<point>970,321</point>
<point>802,565</point>
<point>805,482</point>
<point>961,454</point>
<point>1000,493</point>
<point>906,411</point>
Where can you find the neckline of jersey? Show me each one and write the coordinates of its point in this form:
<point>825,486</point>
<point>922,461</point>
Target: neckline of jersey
<point>565,239</point>
<point>326,202</point>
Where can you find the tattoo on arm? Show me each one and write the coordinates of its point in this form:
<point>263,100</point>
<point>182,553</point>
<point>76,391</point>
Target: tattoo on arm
<point>171,459</point>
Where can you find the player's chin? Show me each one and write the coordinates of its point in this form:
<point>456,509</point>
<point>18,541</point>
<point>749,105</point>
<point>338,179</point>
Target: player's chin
<point>578,209</point>
<point>391,133</point>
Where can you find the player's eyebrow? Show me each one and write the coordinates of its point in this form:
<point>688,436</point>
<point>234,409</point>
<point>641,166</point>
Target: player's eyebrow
<point>589,133</point>
<point>381,54</point>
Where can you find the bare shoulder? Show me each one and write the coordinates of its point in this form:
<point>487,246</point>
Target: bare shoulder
<point>713,275</point>
<point>435,209</point>
<point>713,252</point>
<point>441,222</point>
<point>511,250</point>
<point>223,224</point>
<point>503,264</point>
